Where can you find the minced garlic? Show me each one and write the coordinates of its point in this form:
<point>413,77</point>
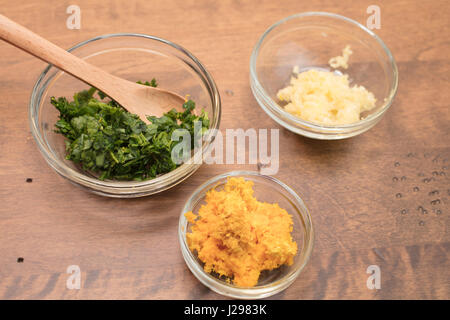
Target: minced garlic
<point>325,97</point>
<point>237,236</point>
<point>341,61</point>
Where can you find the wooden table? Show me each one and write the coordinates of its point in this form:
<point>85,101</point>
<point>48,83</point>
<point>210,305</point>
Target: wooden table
<point>365,194</point>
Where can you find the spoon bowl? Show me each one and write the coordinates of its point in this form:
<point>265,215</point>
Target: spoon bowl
<point>144,100</point>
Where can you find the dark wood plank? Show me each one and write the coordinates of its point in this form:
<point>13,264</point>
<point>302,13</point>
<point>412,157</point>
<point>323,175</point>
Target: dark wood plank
<point>129,248</point>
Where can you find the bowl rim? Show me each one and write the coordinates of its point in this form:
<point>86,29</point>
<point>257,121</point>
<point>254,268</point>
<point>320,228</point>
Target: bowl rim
<point>229,289</point>
<point>300,122</point>
<point>113,186</point>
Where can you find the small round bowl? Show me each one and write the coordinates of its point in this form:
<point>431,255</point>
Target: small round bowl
<point>309,40</point>
<point>133,57</point>
<point>266,189</point>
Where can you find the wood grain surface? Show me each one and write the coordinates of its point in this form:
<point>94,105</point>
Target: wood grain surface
<point>372,197</point>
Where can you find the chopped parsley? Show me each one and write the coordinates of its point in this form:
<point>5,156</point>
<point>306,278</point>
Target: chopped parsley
<point>107,140</point>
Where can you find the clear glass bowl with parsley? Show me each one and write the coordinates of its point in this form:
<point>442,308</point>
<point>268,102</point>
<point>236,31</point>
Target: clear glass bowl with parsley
<point>99,146</point>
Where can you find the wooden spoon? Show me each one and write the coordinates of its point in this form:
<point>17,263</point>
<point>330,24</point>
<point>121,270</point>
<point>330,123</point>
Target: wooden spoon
<point>138,99</point>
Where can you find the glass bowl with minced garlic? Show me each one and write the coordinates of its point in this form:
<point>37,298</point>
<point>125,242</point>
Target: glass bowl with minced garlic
<point>245,235</point>
<point>96,144</point>
<point>323,76</point>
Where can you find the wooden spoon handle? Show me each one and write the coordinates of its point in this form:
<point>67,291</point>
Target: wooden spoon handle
<point>30,42</point>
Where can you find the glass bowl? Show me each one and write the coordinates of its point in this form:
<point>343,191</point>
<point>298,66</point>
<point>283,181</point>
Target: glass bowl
<point>266,189</point>
<point>133,57</point>
<point>309,40</point>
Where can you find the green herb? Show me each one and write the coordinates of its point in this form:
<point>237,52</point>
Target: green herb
<point>106,139</point>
